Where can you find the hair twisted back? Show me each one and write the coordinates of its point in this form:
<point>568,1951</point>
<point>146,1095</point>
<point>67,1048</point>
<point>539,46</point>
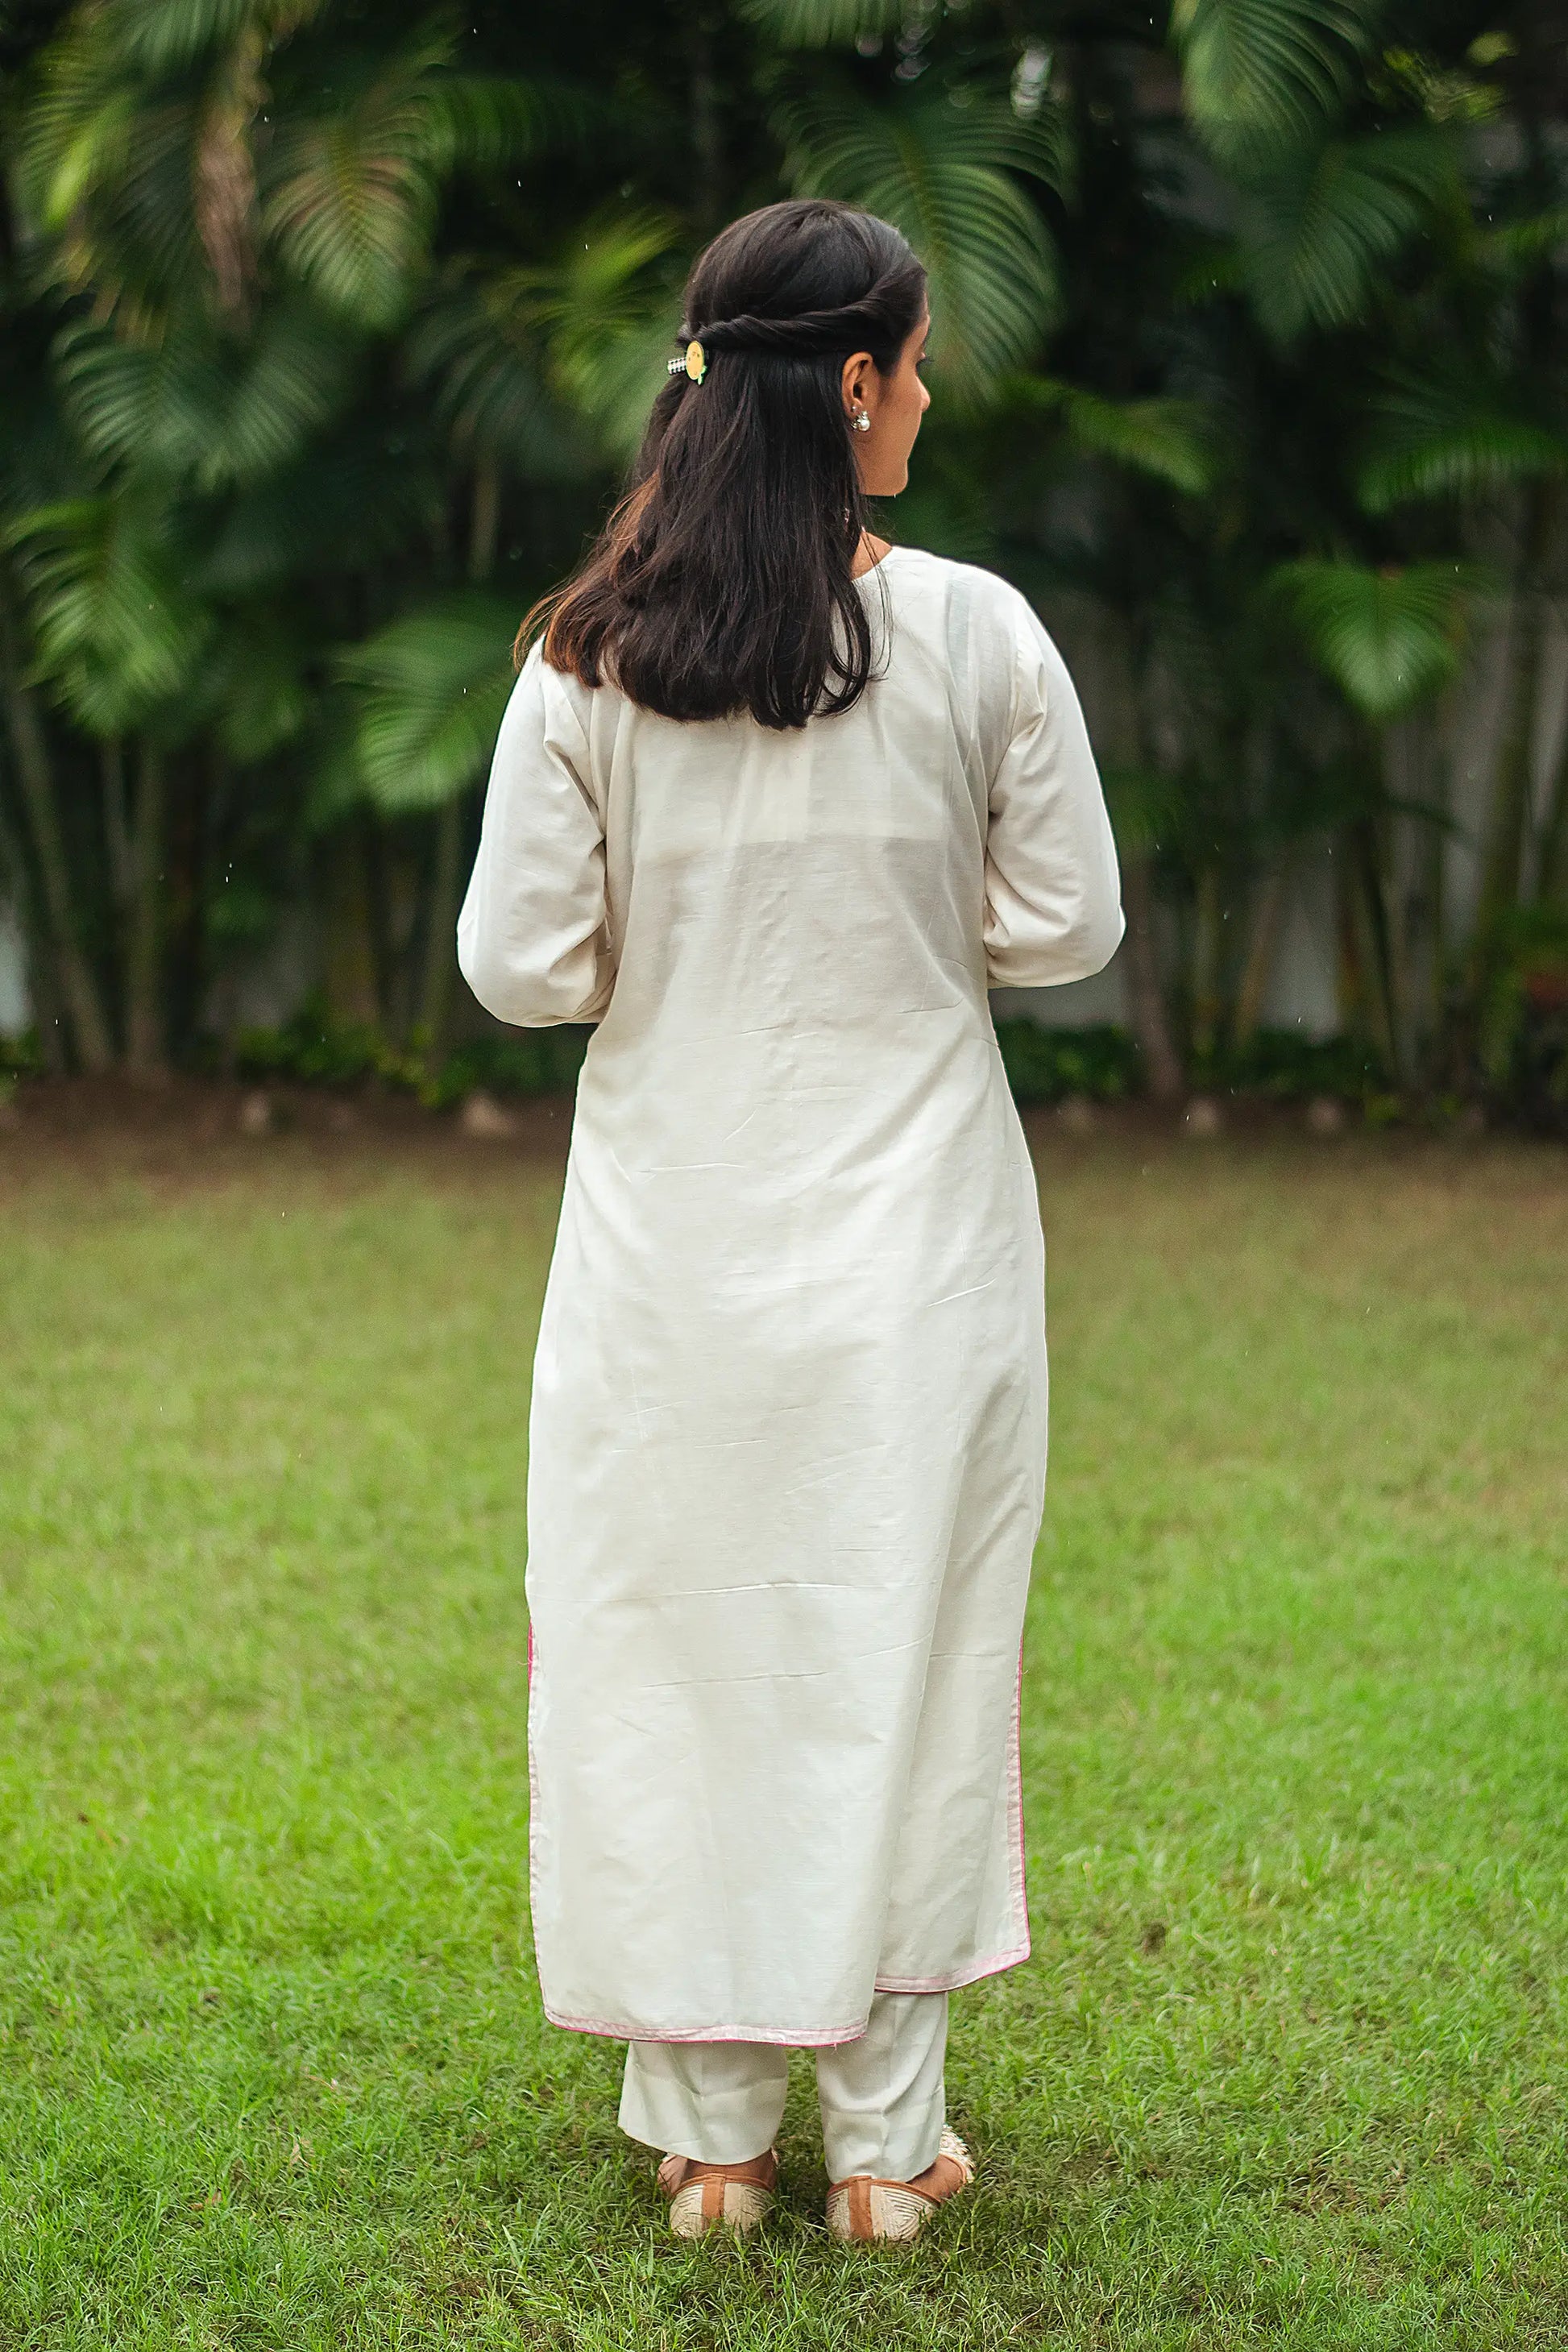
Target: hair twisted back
<point>724,581</point>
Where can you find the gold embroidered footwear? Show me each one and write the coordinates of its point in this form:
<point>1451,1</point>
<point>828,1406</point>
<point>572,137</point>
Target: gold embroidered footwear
<point>704,2197</point>
<point>861,2209</point>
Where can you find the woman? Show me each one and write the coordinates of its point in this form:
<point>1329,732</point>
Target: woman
<point>772,803</point>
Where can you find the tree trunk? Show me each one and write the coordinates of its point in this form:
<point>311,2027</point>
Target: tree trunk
<point>705,136</point>
<point>1208,956</point>
<point>1122,720</point>
<point>1369,917</point>
<point>117,847</point>
<point>1551,886</point>
<point>35,776</point>
<point>440,949</point>
<point>484,519</point>
<point>440,963</point>
<point>1262,948</point>
<point>145,1050</point>
<point>1146,996</point>
<point>352,980</point>
<point>1508,817</point>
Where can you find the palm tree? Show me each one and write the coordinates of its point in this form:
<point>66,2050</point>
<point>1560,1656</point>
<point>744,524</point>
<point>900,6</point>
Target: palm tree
<point>335,338</point>
<point>245,240</point>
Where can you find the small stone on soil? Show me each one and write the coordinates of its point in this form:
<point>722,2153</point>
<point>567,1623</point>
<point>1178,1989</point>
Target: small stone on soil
<point>484,1117</point>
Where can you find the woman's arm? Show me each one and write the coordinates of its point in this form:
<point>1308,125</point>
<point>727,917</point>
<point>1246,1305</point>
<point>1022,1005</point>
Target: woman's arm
<point>1053,894</point>
<point>533,939</point>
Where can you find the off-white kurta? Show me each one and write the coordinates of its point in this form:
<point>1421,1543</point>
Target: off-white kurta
<point>787,1444</point>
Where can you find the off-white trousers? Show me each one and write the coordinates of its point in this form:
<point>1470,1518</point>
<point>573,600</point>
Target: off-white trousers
<point>721,2102</point>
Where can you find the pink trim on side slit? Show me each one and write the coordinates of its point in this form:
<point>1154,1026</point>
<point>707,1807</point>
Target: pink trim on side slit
<point>1016,1953</point>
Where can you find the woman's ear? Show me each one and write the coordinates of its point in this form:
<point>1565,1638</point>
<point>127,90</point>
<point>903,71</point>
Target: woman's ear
<point>859,369</point>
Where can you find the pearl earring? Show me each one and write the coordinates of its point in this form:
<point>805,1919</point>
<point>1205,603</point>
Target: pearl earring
<point>862,422</point>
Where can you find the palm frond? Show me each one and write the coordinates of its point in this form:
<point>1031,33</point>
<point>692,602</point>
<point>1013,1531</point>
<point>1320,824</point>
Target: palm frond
<point>1258,71</point>
<point>103,176</point>
<point>482,121</point>
<point>1170,440</point>
<point>161,38</point>
<point>296,374</point>
<point>940,164</point>
<point>130,402</point>
<point>431,689</point>
<point>350,203</point>
<point>1448,437</point>
<point>608,313</point>
<point>476,341</point>
<point>1389,638</point>
<point>1326,224</point>
<point>191,405</point>
<point>119,638</point>
<point>351,192</point>
<point>825,24</point>
<point>76,131</point>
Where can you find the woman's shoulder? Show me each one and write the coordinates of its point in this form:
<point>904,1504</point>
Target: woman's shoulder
<point>968,584</point>
<point>967,601</point>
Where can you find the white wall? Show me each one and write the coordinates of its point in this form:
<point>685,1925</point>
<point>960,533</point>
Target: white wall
<point>15,1012</point>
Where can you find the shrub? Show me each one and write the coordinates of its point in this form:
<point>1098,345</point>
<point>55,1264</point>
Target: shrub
<point>20,1057</point>
<point>1287,1066</point>
<point>1044,1066</point>
<point>313,1050</point>
<point>532,1062</point>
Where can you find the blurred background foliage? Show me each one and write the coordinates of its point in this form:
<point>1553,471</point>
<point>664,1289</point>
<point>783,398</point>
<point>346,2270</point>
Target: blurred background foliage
<point>330,328</point>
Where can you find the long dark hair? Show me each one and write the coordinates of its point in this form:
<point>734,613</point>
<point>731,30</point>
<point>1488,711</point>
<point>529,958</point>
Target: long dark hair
<point>723,581</point>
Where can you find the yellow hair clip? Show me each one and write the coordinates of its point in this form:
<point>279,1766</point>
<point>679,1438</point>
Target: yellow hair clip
<point>694,362</point>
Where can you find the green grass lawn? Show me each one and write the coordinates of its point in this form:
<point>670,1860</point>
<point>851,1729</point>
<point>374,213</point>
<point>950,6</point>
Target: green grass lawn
<point>1290,2064</point>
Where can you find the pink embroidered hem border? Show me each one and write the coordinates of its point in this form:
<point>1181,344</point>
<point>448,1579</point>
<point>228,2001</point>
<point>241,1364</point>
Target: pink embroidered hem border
<point>953,1981</point>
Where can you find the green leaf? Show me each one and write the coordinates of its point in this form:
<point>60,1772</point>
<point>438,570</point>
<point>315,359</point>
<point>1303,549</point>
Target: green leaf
<point>119,638</point>
<point>607,314</point>
<point>1257,71</point>
<point>104,177</point>
<point>1144,806</point>
<point>163,38</point>
<point>432,688</point>
<point>188,404</point>
<point>1453,438</point>
<point>826,24</point>
<point>940,164</point>
<point>351,193</point>
<point>1324,225</point>
<point>1172,441</point>
<point>1389,638</point>
<point>477,340</point>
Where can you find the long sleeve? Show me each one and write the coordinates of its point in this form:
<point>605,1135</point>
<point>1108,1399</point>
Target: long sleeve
<point>1053,899</point>
<point>533,940</point>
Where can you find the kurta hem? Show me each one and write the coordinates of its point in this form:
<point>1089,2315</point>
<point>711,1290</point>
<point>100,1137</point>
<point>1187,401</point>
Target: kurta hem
<point>956,1978</point>
<point>794,2037</point>
<point>781,2037</point>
